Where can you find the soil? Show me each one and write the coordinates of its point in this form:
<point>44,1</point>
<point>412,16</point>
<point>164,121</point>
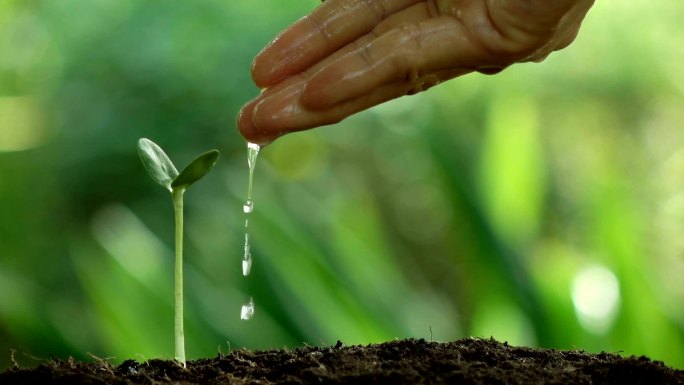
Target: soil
<point>467,361</point>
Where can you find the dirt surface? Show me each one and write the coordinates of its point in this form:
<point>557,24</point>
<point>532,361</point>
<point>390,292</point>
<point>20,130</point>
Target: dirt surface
<point>468,361</point>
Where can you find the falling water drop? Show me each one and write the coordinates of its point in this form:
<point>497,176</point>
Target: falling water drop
<point>248,206</point>
<point>247,258</point>
<point>247,266</point>
<point>247,311</point>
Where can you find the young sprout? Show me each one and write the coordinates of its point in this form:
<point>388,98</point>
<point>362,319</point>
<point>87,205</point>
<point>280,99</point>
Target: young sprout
<point>161,170</point>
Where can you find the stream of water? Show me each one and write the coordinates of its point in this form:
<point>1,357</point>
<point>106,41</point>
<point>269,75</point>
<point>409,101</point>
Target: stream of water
<point>247,310</point>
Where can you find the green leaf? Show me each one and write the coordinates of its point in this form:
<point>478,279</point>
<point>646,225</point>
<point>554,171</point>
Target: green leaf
<point>157,163</point>
<point>197,169</point>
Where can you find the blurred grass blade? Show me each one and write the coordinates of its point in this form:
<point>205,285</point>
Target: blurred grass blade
<point>196,170</point>
<point>157,163</point>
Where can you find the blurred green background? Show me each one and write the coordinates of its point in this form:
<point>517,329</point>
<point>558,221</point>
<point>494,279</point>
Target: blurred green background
<point>543,206</point>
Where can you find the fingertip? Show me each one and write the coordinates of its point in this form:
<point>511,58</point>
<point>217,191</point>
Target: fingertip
<point>283,56</point>
<point>260,125</point>
<point>293,51</point>
<point>263,69</point>
<point>245,123</point>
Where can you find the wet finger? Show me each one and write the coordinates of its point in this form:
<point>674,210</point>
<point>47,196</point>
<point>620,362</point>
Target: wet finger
<point>332,25</point>
<point>282,112</point>
<point>402,54</point>
<point>275,116</point>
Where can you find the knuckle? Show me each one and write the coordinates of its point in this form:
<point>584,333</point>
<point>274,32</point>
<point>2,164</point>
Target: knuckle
<point>503,41</point>
<point>366,56</point>
<point>509,48</point>
<point>376,7</point>
<point>409,55</point>
<point>320,26</point>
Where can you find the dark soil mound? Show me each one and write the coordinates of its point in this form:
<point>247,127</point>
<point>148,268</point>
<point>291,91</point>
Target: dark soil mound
<point>468,361</point>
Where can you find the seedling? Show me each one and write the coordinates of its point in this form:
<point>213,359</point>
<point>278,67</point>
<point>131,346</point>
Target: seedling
<point>161,170</point>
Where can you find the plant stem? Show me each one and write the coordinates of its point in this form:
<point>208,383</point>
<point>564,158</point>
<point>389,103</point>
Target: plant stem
<point>177,195</point>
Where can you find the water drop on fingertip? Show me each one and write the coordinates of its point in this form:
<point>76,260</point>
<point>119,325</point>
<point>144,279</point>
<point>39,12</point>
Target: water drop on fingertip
<point>252,152</point>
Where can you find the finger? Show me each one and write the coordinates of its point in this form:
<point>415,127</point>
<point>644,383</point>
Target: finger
<point>245,120</point>
<point>273,117</point>
<point>281,112</point>
<point>330,26</point>
<point>405,53</point>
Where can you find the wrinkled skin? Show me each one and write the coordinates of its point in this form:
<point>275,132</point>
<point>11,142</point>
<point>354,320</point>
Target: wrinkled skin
<point>350,55</point>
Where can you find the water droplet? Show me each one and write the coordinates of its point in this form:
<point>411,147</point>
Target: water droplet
<point>252,152</point>
<point>247,259</point>
<point>247,311</point>
<point>246,266</point>
<point>248,207</point>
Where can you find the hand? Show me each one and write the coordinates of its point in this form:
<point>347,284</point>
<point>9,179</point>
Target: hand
<point>350,55</point>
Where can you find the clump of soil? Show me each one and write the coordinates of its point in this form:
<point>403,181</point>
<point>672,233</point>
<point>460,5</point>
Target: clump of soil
<point>467,361</point>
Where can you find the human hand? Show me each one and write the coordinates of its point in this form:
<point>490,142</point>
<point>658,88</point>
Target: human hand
<point>350,55</point>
